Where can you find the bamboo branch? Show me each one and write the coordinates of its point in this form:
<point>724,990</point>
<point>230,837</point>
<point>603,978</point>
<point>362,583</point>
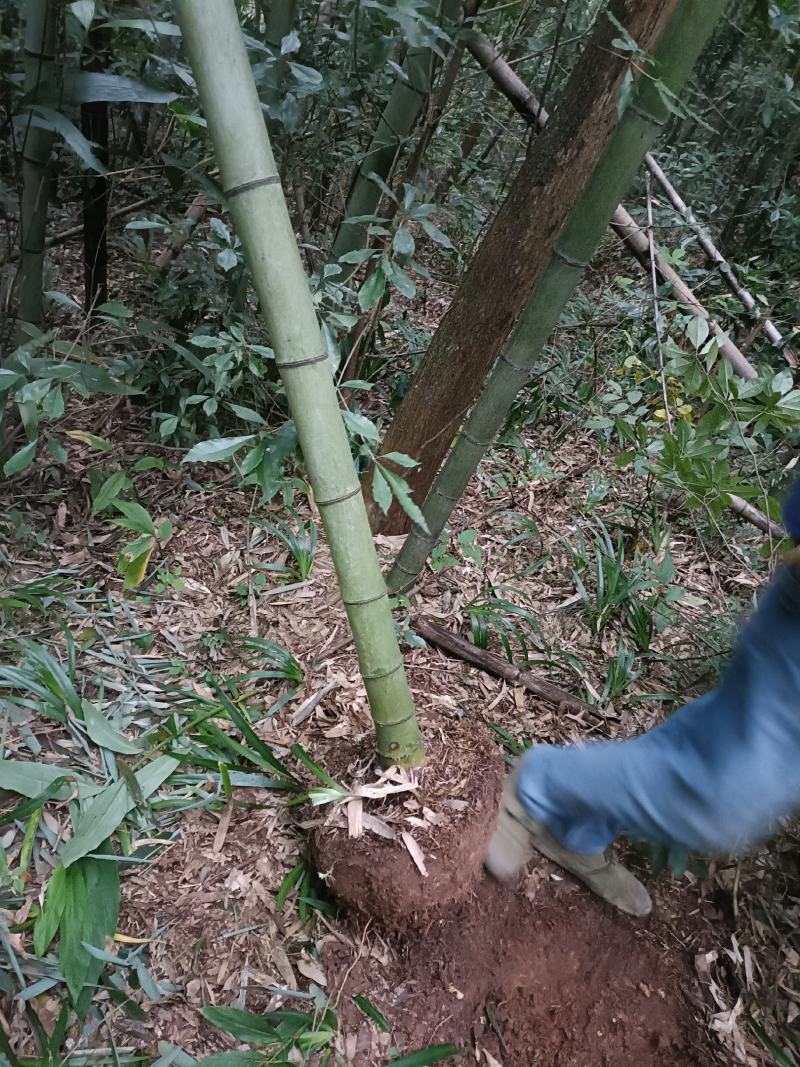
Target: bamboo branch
<point>752,514</point>
<point>501,668</point>
<point>193,215</point>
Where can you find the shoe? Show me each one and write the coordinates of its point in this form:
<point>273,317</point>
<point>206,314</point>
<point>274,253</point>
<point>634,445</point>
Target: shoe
<point>517,836</point>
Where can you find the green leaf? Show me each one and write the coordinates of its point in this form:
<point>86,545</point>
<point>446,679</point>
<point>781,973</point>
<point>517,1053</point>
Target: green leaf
<point>697,330</point>
<point>247,414</point>
<point>218,449</point>
<point>91,439</point>
<point>73,958</point>
<point>372,290</point>
<point>372,1012</point>
<point>109,490</point>
<point>243,1025</point>
<point>20,460</point>
<point>44,929</point>
<point>227,259</point>
<point>403,242</point>
<point>71,134</point>
<point>8,379</point>
<point>289,882</point>
<point>401,459</point>
<point>358,255</point>
<point>381,491</point>
<point>436,234</point>
<point>137,518</point>
<point>56,450</point>
<point>88,86</point>
<point>31,779</point>
<point>104,813</point>
<point>149,463</point>
<point>361,426</point>
<point>300,754</point>
<point>103,733</point>
<point>423,1056</point>
<point>402,492</point>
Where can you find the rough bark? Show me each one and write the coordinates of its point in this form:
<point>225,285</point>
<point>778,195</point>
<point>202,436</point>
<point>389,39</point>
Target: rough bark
<point>516,251</point>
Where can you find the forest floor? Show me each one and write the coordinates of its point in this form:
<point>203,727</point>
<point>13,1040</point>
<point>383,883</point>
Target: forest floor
<point>538,974</point>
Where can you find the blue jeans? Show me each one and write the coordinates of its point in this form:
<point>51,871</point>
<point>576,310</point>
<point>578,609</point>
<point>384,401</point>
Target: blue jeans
<point>714,777</point>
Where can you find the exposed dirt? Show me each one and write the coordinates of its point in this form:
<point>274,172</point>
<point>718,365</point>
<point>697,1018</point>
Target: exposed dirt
<point>457,800</point>
<point>544,976</point>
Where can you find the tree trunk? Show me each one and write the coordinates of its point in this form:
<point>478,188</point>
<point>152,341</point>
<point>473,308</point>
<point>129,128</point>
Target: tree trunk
<point>396,122</point>
<point>40,47</point>
<point>679,46</point>
<point>516,251</point>
<point>249,178</point>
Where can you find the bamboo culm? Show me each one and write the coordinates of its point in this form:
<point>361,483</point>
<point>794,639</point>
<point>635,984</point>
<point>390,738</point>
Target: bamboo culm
<point>690,26</point>
<point>215,47</point>
<point>394,126</point>
<point>40,48</point>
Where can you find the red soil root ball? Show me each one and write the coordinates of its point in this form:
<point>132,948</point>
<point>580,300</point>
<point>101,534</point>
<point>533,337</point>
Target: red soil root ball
<point>450,817</point>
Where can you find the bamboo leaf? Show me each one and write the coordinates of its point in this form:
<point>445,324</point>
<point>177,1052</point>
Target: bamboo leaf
<point>401,459</point>
<point>218,449</point>
<point>249,734</point>
<point>402,492</point>
<point>424,1056</point>
<point>372,1012</point>
<point>46,924</point>
<point>381,491</point>
<point>243,1025</point>
<point>85,87</point>
<point>72,957</point>
<point>105,812</point>
<point>103,733</point>
<point>289,882</point>
<point>150,26</point>
<point>31,779</point>
<point>71,134</point>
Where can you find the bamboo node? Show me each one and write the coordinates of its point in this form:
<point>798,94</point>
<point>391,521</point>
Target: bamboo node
<point>364,600</point>
<point>271,179</point>
<point>292,363</point>
<point>384,674</point>
<point>571,261</point>
<point>338,499</point>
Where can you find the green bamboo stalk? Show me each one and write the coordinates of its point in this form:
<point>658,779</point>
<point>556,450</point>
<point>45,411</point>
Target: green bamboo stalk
<point>214,44</point>
<point>689,28</point>
<point>394,126</point>
<point>39,50</point>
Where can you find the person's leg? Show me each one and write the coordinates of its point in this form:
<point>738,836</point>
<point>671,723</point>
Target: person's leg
<point>715,776</point>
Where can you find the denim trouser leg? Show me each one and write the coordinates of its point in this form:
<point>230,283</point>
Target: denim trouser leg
<point>714,777</point>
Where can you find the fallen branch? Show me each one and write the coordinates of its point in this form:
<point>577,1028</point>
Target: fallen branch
<point>501,668</point>
<point>715,256</point>
<point>757,518</point>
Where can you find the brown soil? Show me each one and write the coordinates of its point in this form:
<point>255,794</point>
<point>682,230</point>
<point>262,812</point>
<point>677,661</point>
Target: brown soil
<point>459,789</point>
<point>545,977</point>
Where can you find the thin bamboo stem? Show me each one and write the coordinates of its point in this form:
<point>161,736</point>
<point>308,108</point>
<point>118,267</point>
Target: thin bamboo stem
<point>40,56</point>
<point>216,50</point>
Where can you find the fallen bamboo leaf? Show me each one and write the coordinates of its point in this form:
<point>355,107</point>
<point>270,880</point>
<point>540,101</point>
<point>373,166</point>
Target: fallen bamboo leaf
<point>415,852</point>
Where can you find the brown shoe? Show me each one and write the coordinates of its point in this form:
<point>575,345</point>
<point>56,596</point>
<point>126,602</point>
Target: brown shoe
<point>517,836</point>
